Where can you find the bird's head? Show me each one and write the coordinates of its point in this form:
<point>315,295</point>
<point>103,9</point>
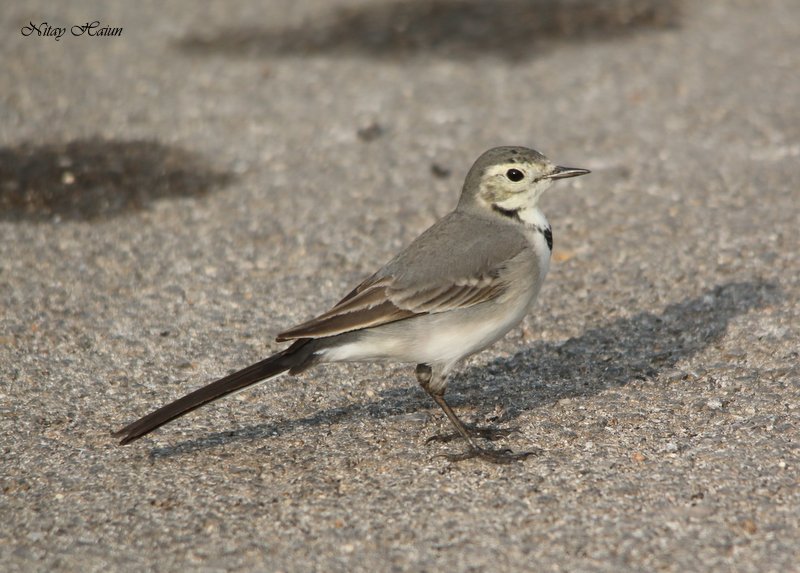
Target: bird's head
<point>511,178</point>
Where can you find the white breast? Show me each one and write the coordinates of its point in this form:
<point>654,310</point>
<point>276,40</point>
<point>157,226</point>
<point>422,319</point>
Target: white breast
<point>535,223</point>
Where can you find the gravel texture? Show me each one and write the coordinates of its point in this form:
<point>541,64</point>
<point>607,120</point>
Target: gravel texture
<point>172,198</point>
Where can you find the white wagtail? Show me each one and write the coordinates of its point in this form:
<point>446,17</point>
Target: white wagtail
<point>458,288</point>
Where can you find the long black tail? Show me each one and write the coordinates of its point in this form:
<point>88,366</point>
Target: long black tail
<point>293,359</point>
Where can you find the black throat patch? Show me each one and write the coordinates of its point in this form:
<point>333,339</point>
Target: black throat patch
<point>548,236</point>
<point>510,213</point>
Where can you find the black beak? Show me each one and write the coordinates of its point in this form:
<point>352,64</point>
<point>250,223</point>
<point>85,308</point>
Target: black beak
<point>564,172</point>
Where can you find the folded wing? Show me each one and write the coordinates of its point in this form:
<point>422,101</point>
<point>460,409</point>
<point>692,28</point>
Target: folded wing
<point>378,301</point>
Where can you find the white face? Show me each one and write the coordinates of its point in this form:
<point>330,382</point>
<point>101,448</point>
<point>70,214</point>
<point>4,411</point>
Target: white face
<point>515,186</point>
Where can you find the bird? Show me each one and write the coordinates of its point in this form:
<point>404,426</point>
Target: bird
<point>455,290</point>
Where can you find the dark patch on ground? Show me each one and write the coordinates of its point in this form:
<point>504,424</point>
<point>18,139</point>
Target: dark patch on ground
<point>90,179</point>
<point>513,29</point>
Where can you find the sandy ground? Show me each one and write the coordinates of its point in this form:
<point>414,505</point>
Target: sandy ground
<point>172,198</point>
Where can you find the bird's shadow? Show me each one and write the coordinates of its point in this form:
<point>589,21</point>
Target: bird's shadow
<point>94,178</point>
<point>458,29</point>
<point>627,349</point>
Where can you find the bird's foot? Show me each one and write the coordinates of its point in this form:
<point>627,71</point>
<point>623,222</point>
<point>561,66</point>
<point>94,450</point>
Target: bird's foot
<point>493,456</point>
<point>490,433</point>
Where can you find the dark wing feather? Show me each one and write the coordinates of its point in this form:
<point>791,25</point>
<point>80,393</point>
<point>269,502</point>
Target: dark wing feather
<point>378,303</point>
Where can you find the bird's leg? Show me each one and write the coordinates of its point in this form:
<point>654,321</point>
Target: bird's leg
<point>436,391</point>
<point>424,375</point>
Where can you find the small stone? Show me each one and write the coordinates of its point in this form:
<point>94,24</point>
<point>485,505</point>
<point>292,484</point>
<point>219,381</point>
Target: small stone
<point>561,256</point>
<point>440,171</point>
<point>749,526</point>
<point>371,132</point>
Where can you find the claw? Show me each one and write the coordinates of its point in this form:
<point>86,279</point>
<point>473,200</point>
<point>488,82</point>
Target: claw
<point>494,456</point>
<point>488,433</point>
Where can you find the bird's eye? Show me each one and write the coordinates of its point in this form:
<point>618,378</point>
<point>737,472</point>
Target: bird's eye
<point>515,175</point>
